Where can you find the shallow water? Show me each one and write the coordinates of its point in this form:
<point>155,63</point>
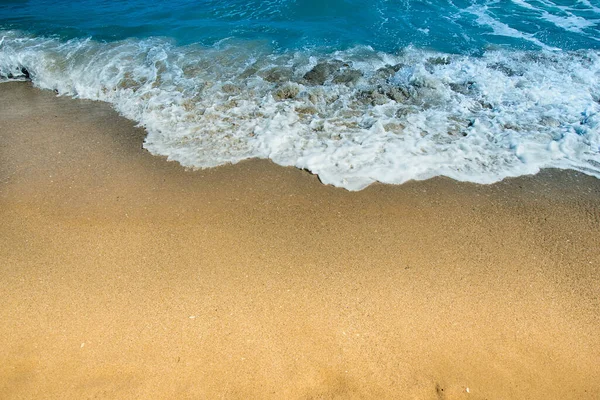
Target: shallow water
<point>354,91</point>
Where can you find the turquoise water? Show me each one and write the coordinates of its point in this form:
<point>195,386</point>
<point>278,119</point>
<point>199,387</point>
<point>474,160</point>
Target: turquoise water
<point>353,91</point>
<point>455,27</point>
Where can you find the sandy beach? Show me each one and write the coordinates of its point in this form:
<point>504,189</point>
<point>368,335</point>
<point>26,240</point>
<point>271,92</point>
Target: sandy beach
<point>125,276</point>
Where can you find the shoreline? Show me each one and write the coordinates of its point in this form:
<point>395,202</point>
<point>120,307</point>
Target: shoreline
<point>127,276</point>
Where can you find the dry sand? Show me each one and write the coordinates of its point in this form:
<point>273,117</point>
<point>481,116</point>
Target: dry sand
<point>125,276</point>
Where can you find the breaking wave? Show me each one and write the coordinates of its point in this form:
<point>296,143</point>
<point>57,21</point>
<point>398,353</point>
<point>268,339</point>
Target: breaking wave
<point>353,117</point>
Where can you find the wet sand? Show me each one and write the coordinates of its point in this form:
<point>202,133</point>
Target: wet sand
<point>123,275</point>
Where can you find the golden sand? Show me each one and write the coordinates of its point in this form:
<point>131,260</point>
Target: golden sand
<point>124,276</point>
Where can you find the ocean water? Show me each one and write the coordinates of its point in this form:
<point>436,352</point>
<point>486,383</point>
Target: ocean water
<point>355,91</point>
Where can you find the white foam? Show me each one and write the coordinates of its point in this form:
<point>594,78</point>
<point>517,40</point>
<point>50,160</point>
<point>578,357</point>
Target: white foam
<point>569,21</point>
<point>590,6</point>
<point>473,119</point>
<point>501,29</point>
<point>525,4</point>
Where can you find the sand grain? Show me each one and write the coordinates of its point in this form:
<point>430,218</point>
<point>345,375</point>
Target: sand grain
<point>297,290</point>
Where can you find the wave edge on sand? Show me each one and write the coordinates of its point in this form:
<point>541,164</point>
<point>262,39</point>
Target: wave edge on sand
<point>352,117</point>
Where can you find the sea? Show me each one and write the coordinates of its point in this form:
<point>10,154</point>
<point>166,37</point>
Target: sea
<point>354,91</point>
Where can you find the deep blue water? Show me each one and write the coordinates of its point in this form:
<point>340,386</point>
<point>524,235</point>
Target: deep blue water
<point>459,26</point>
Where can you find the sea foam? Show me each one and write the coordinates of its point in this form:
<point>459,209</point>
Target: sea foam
<point>352,117</point>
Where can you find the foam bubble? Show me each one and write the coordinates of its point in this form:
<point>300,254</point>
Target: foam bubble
<point>566,20</point>
<point>352,117</point>
<point>502,29</point>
